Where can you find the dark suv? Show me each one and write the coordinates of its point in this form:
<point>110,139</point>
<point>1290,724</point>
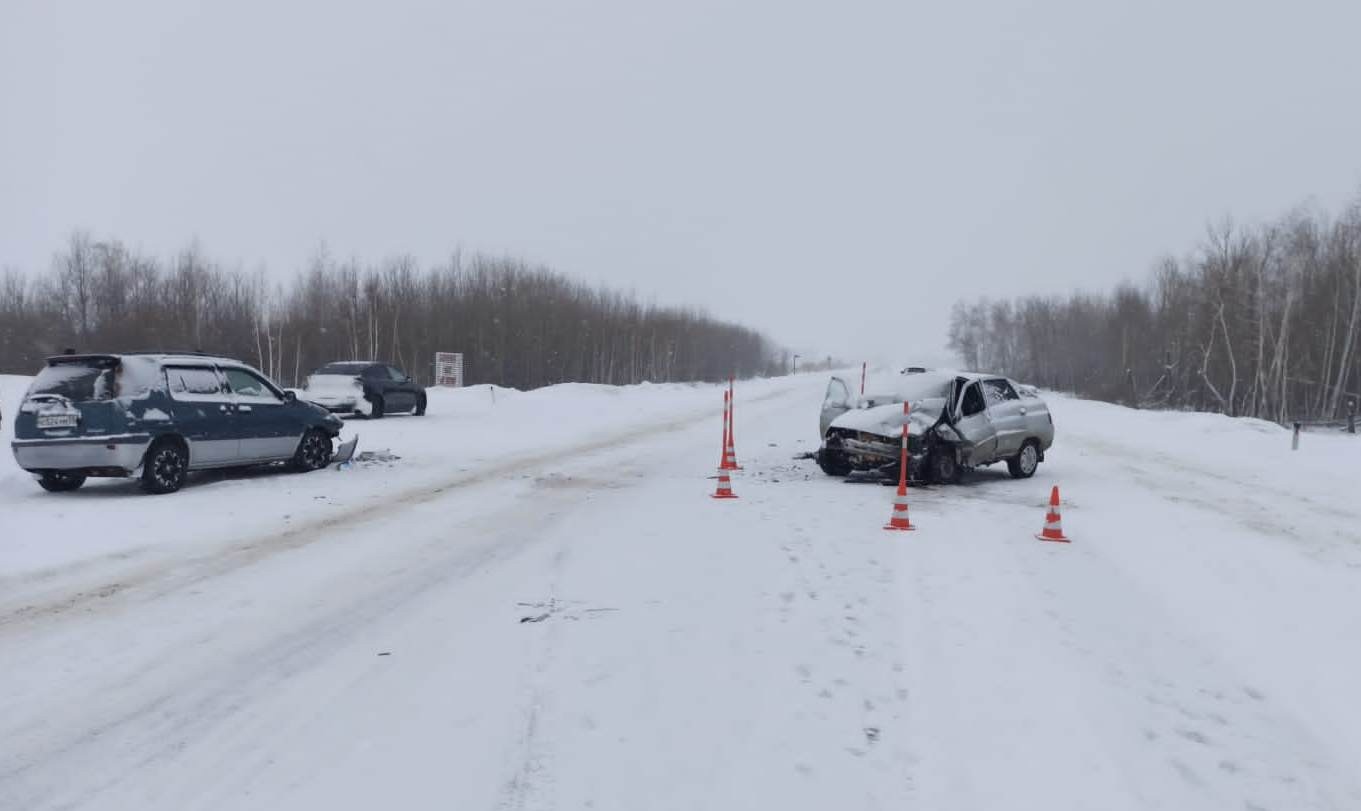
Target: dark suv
<point>158,416</point>
<point>365,387</point>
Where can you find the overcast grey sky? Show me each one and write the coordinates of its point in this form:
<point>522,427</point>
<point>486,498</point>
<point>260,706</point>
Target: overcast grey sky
<point>835,174</point>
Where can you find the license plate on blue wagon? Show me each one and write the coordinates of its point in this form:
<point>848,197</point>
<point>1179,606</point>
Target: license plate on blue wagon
<point>49,421</point>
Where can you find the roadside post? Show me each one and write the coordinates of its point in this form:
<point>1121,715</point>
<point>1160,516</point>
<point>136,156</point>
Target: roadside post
<point>1351,415</point>
<point>1295,437</point>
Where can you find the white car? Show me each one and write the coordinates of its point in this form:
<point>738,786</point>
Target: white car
<point>367,387</point>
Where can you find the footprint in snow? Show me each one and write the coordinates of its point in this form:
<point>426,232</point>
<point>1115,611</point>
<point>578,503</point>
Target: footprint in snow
<point>1194,736</point>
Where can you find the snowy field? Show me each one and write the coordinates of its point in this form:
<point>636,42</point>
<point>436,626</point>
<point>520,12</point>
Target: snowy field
<point>528,601</point>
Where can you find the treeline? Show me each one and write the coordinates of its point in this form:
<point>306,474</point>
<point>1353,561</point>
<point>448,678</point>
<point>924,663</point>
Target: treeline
<point>1262,321</point>
<point>516,325</point>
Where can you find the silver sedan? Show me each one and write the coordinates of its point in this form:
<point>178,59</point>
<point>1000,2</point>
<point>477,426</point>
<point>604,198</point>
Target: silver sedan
<point>958,421</point>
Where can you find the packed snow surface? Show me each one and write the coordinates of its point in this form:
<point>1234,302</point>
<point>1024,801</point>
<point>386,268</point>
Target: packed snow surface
<point>529,601</point>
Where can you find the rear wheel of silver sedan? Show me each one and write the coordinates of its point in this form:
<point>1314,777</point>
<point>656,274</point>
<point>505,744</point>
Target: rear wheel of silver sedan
<point>1023,464</point>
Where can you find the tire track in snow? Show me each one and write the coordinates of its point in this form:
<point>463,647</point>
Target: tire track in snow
<point>182,573</point>
<point>205,698</point>
<point>530,767</point>
<point>205,702</point>
<point>1202,721</point>
<point>841,582</point>
<point>1153,710</point>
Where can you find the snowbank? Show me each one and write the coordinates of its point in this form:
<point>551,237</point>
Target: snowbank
<point>12,388</point>
<point>1255,452</point>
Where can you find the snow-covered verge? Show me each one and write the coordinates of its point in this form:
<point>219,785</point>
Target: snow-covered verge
<point>1195,647</point>
<point>12,388</point>
<point>587,629</point>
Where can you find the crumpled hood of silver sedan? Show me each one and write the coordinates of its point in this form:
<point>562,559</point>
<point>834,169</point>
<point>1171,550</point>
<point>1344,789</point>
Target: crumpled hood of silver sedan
<point>887,420</point>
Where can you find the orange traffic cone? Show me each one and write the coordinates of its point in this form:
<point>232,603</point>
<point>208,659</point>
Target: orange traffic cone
<point>898,520</point>
<point>724,485</point>
<point>1053,523</point>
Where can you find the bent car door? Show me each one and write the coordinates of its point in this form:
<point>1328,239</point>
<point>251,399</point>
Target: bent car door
<point>836,403</point>
<point>266,428</point>
<point>1007,413</point>
<point>202,413</point>
<point>973,425</point>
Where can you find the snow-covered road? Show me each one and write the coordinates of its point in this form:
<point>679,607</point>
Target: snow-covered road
<point>538,606</point>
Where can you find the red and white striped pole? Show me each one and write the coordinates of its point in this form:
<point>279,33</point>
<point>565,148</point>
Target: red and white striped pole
<point>723,447</point>
<point>731,448</point>
<point>899,520</point>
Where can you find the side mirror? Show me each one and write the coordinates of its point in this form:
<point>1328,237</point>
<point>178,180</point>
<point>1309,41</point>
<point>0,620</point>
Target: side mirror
<point>290,397</point>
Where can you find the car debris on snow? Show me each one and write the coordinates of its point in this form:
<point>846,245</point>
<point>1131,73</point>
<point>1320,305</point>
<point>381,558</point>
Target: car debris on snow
<point>562,609</point>
<point>382,457</point>
<point>345,452</point>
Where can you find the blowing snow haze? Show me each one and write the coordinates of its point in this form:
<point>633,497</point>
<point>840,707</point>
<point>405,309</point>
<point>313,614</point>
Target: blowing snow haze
<point>490,488</point>
<point>835,176</point>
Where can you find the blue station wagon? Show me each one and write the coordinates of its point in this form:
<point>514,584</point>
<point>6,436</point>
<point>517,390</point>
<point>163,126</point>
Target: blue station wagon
<point>159,416</point>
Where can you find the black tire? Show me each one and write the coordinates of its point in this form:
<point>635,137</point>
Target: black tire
<point>833,463</point>
<point>61,481</point>
<point>420,405</point>
<point>314,451</point>
<point>166,467</point>
<point>377,412</point>
<point>943,467</point>
<point>1026,460</point>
